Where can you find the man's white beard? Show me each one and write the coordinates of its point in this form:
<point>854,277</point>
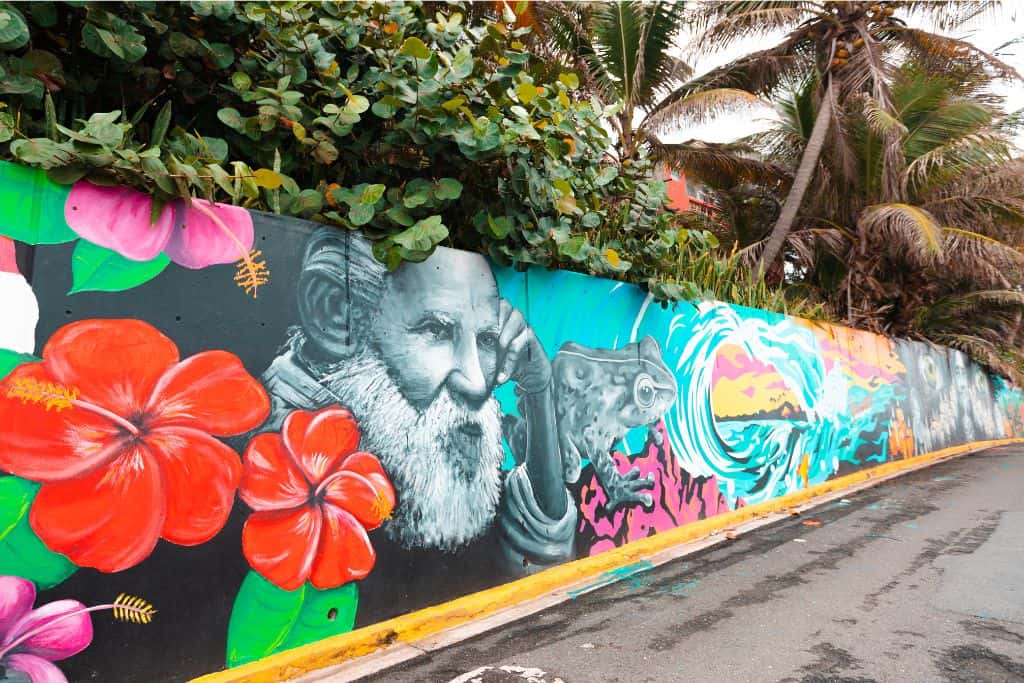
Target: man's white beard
<point>448,484</point>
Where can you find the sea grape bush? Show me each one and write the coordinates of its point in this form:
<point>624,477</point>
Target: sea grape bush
<point>407,121</point>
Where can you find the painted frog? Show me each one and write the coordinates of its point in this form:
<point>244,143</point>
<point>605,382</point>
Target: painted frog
<point>600,394</point>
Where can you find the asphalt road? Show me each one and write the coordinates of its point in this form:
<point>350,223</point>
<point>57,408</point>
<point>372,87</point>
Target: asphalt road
<point>918,579</point>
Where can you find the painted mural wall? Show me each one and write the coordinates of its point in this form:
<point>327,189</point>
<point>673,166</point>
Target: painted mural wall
<point>224,434</point>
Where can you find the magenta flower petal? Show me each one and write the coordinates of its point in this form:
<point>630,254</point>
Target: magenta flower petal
<point>118,218</point>
<point>16,598</point>
<point>37,669</point>
<point>54,634</point>
<point>205,234</point>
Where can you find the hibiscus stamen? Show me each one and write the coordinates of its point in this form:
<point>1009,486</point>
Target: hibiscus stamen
<point>251,273</point>
<point>125,608</point>
<point>60,397</point>
<point>381,505</point>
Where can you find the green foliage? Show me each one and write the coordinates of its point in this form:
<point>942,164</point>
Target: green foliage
<point>701,271</point>
<point>21,552</point>
<point>415,129</point>
<point>27,192</point>
<point>12,359</point>
<point>266,619</point>
<point>918,235</point>
<point>94,268</point>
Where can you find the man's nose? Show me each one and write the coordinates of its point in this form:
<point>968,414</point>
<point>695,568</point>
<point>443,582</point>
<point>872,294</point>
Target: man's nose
<point>467,380</point>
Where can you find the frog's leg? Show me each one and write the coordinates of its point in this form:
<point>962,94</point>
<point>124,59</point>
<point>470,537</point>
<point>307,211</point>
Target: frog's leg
<point>627,489</point>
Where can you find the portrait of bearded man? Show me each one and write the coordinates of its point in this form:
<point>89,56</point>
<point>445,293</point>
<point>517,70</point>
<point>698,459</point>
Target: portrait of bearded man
<point>416,355</point>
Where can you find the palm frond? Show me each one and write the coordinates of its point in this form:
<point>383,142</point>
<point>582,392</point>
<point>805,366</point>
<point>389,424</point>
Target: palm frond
<point>880,120</point>
<point>974,256</point>
<point>717,164</point>
<point>804,244</point>
<point>761,73</point>
<point>724,22</point>
<point>988,198</point>
<point>945,54</point>
<point>909,229</point>
<point>943,163</point>
<point>927,130</point>
<point>699,107</point>
<point>950,14</point>
<point>867,71</point>
<point>631,42</point>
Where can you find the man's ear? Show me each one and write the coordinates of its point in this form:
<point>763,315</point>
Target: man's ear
<point>326,313</point>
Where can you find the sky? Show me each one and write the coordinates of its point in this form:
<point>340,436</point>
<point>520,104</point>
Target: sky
<point>987,33</point>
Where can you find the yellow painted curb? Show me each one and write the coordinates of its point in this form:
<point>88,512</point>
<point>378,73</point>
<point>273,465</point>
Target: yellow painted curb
<point>425,622</point>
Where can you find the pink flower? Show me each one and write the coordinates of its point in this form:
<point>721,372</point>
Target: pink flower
<point>195,236</point>
<point>32,639</point>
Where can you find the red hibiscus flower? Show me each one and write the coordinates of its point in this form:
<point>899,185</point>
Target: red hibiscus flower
<point>314,497</point>
<point>119,433</point>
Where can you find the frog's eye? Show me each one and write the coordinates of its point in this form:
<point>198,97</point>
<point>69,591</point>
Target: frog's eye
<point>644,391</point>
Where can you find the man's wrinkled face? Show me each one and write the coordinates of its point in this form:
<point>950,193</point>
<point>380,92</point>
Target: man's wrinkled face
<point>437,327</point>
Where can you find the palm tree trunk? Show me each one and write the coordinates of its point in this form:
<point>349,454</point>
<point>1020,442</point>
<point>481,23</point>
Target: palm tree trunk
<point>808,163</point>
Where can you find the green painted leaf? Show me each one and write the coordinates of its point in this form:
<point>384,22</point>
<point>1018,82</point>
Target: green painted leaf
<point>94,268</point>
<point>21,552</point>
<point>415,47</point>
<point>266,619</point>
<point>38,201</point>
<point>12,359</point>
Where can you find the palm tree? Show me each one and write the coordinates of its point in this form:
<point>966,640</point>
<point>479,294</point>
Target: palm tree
<point>921,236</point>
<point>846,49</point>
<point>624,52</point>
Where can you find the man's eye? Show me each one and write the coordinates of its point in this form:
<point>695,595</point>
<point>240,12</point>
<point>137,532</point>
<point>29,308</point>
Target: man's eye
<point>487,340</point>
<point>436,330</point>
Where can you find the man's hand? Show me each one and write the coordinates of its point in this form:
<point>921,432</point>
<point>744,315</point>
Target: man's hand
<point>521,358</point>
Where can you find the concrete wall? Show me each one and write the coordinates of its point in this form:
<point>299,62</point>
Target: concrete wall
<point>351,444</point>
